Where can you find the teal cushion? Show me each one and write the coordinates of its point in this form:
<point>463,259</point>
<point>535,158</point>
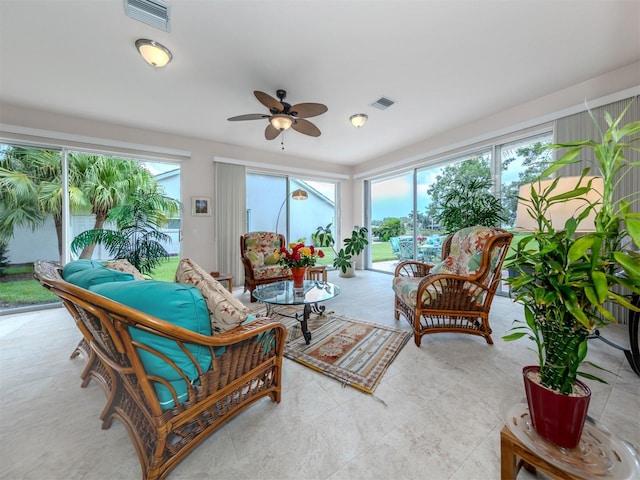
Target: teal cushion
<point>164,394</point>
<point>79,265</point>
<point>96,276</point>
<point>179,304</point>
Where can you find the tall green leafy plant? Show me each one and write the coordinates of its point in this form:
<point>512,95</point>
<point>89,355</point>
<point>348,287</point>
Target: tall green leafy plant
<point>137,238</point>
<point>564,280</point>
<point>468,204</point>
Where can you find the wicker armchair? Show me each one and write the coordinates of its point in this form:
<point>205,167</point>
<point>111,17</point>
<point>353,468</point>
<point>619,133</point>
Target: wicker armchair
<point>454,295</point>
<point>246,365</point>
<point>260,266</point>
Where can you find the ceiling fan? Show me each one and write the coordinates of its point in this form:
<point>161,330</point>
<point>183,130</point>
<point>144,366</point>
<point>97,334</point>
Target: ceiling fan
<point>284,115</point>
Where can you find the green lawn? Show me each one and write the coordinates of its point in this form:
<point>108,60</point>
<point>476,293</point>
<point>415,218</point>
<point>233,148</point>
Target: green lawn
<point>380,251</point>
<point>19,293</point>
<point>24,292</point>
<point>30,292</point>
<point>167,270</point>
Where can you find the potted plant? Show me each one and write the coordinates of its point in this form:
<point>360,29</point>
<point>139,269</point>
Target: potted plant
<point>353,246</point>
<point>564,280</point>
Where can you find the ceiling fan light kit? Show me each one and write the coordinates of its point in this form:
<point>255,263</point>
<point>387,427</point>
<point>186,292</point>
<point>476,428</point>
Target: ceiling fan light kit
<point>281,121</point>
<point>154,53</point>
<point>359,119</point>
<point>283,115</point>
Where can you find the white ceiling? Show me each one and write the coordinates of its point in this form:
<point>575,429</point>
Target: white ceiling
<point>445,63</point>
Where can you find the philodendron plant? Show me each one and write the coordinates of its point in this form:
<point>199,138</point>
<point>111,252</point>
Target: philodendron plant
<point>353,245</point>
<point>564,280</point>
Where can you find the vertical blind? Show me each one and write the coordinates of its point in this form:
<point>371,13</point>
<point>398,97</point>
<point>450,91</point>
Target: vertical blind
<point>230,217</point>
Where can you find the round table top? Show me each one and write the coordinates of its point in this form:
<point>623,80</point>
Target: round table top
<point>600,454</point>
<point>283,293</point>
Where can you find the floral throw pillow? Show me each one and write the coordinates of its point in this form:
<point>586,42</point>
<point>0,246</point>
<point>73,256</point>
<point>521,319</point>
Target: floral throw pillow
<point>123,265</point>
<point>225,310</point>
<point>256,259</point>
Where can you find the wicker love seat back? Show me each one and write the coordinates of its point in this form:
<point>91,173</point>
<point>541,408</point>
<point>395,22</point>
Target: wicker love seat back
<point>242,365</point>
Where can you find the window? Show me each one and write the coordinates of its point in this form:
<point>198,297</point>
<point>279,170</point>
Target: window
<point>33,221</point>
<point>108,181</point>
<point>402,231</point>
<point>391,220</point>
<point>30,230</point>
<point>272,207</point>
<point>521,162</point>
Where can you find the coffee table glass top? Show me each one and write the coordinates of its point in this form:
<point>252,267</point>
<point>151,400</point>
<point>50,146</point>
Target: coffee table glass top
<point>283,293</point>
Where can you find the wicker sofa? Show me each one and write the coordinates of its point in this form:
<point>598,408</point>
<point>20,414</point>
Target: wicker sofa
<point>199,380</point>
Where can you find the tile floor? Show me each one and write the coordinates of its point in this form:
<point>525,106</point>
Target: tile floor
<point>435,415</point>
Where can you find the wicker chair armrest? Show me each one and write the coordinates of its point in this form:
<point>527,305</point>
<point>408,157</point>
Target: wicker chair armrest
<point>411,268</point>
<point>252,329</point>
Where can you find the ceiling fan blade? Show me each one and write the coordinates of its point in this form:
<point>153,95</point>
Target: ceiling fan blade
<point>268,101</point>
<point>249,116</point>
<point>271,132</point>
<point>306,110</point>
<point>306,127</point>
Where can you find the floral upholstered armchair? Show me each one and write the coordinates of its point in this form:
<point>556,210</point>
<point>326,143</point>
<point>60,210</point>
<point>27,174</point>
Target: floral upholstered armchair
<point>455,294</point>
<point>259,251</point>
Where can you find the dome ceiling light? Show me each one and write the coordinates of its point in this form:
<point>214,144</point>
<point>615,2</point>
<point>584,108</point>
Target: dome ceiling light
<point>154,53</point>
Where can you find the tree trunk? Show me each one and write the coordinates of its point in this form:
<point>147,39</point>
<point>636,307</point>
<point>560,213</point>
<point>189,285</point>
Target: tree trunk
<point>58,223</point>
<point>101,218</point>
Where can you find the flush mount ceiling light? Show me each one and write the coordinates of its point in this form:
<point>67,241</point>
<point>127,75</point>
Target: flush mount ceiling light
<point>358,120</point>
<point>281,121</point>
<point>154,53</point>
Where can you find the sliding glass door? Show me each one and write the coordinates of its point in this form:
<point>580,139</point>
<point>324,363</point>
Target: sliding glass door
<point>34,223</point>
<point>392,220</point>
<point>405,207</point>
<point>273,206</point>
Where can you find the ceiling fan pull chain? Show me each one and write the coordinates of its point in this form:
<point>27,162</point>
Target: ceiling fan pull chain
<point>282,140</point>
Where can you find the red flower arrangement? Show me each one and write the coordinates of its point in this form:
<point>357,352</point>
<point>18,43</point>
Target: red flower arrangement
<point>298,255</point>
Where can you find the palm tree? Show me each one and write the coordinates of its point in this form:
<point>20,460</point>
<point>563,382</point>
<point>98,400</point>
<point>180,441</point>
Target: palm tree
<point>137,237</point>
<point>31,189</point>
<point>107,183</point>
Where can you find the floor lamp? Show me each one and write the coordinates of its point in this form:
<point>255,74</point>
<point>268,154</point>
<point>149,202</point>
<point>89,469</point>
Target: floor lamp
<point>298,194</point>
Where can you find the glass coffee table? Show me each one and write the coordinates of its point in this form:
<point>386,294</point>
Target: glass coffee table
<point>310,295</point>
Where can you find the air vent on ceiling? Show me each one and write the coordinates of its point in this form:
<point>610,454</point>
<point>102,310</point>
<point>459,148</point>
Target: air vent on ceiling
<point>382,103</point>
<point>151,12</point>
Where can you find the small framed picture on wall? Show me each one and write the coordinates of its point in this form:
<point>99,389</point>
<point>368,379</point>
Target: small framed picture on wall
<point>201,206</point>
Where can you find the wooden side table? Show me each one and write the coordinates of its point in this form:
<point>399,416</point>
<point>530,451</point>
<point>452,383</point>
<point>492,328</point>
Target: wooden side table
<point>600,454</point>
<point>514,455</point>
<point>224,277</point>
<point>317,273</point>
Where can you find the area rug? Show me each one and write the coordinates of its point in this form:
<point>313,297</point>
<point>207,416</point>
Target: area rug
<point>354,352</point>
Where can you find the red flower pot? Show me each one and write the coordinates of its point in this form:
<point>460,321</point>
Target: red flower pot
<point>555,417</point>
<point>298,276</point>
